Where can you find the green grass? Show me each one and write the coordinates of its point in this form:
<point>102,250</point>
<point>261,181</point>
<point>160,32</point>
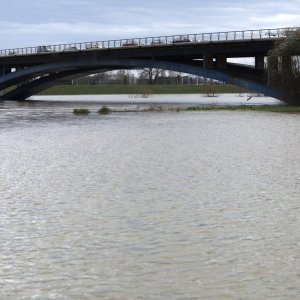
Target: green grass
<point>141,89</point>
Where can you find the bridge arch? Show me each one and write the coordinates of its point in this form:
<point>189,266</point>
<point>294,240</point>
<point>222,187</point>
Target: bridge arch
<point>43,76</point>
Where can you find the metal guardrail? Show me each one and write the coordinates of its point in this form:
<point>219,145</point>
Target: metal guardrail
<point>155,41</point>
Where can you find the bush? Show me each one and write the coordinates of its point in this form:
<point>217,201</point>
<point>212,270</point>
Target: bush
<point>81,111</point>
<point>104,110</point>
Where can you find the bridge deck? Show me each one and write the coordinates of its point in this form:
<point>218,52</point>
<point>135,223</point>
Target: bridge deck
<point>160,41</point>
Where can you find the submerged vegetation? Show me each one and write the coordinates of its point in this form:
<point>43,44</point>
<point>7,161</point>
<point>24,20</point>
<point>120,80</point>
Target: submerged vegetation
<point>104,110</point>
<point>81,111</point>
<point>270,108</point>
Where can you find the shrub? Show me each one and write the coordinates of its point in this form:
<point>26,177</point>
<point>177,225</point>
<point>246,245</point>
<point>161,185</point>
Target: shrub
<point>81,111</point>
<point>104,110</point>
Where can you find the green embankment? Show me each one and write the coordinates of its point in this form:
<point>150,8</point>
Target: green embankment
<point>141,89</point>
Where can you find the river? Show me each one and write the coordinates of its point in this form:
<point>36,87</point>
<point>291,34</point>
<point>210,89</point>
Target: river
<point>148,205</point>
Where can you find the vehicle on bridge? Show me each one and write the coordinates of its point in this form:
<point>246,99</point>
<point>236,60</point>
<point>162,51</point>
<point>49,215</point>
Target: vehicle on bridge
<point>92,46</point>
<point>157,41</point>
<point>270,34</point>
<point>43,49</point>
<point>182,39</point>
<point>130,43</point>
<point>12,52</point>
<point>71,48</point>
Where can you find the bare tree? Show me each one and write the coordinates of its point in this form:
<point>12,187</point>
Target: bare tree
<point>151,75</point>
<point>101,78</point>
<point>122,77</point>
<point>284,66</point>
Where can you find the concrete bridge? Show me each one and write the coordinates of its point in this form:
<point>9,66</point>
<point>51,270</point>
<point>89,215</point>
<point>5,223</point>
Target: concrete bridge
<point>27,71</point>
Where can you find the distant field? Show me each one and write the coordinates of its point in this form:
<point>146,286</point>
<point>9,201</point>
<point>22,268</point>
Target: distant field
<point>141,89</point>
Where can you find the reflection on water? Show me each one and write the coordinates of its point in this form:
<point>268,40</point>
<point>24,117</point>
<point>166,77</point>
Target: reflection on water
<point>194,205</point>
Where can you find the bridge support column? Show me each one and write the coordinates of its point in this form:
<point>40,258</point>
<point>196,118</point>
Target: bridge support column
<point>286,66</point>
<point>221,61</point>
<point>2,70</point>
<point>259,63</point>
<point>208,62</point>
<point>273,73</point>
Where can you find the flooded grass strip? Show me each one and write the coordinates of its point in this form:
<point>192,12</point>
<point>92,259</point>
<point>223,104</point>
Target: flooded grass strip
<point>271,108</point>
<point>105,110</point>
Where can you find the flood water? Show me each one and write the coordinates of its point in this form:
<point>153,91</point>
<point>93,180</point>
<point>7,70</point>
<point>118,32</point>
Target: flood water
<point>148,205</point>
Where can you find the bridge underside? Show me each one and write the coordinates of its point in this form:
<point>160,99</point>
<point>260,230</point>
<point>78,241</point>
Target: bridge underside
<point>25,82</point>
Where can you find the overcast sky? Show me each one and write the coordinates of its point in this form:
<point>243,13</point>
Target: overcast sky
<point>39,22</point>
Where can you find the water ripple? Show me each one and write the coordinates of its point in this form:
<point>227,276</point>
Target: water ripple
<point>149,206</point>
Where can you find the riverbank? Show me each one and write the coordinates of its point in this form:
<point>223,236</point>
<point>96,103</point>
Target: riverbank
<point>86,109</point>
<point>144,90</point>
<point>271,108</point>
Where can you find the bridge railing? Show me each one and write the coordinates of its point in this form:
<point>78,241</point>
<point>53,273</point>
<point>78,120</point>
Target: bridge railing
<point>154,41</point>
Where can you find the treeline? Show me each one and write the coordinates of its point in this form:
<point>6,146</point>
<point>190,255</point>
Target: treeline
<point>139,77</point>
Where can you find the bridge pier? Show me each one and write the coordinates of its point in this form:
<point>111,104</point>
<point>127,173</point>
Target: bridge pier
<point>2,73</point>
<point>286,66</point>
<point>2,70</point>
<point>259,63</point>
<point>208,62</point>
<point>273,73</point>
<point>222,62</point>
